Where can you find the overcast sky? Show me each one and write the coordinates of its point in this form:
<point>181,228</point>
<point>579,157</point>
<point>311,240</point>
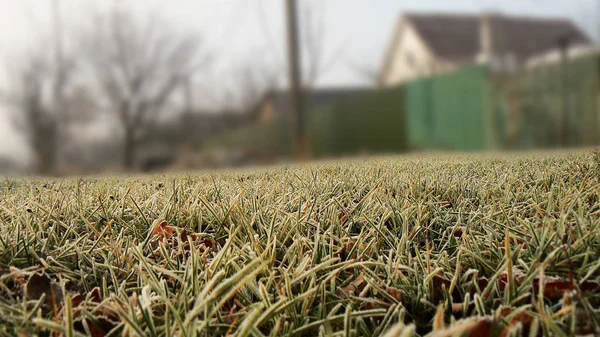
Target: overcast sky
<point>238,30</point>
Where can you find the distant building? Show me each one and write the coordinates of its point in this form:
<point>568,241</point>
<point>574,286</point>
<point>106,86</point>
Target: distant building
<point>426,44</point>
<point>276,103</point>
<point>166,143</point>
<point>554,57</point>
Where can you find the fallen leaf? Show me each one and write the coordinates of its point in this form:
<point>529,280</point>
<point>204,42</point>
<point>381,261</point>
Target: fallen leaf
<point>372,304</point>
<point>342,216</point>
<point>459,308</point>
<point>517,275</point>
<point>522,317</point>
<point>163,229</point>
<point>202,243</point>
<point>344,252</point>
<point>77,300</point>
<point>456,231</point>
<point>485,327</point>
<point>103,320</point>
<point>184,236</point>
<point>482,283</point>
<point>98,326</point>
<point>439,283</point>
<point>207,243</point>
<point>96,295</point>
<point>18,276</point>
<point>398,294</point>
<point>356,287</point>
<point>41,284</point>
<point>556,287</point>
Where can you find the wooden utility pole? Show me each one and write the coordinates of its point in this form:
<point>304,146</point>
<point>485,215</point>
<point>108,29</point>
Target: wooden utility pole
<point>295,81</point>
<point>58,55</point>
<point>563,134</point>
<point>60,79</point>
<point>188,95</point>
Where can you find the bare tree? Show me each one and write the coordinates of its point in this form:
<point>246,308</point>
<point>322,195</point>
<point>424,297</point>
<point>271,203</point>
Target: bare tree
<point>317,61</point>
<point>138,64</point>
<point>39,95</point>
<point>33,117</point>
<point>250,83</point>
<point>367,72</point>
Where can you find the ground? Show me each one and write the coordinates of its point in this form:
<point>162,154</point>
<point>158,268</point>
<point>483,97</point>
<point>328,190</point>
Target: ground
<point>447,245</point>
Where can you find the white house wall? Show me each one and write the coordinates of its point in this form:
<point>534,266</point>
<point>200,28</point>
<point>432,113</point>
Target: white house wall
<point>411,58</point>
<point>400,69</point>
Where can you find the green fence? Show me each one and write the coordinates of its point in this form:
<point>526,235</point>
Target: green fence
<point>270,138</point>
<point>474,109</point>
<point>533,108</point>
<point>469,109</point>
<point>448,111</point>
<point>370,123</point>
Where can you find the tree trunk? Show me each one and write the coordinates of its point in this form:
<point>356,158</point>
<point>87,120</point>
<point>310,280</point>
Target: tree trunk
<point>45,147</point>
<point>45,162</point>
<point>128,149</point>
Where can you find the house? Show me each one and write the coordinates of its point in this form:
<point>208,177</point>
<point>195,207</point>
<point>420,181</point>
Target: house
<point>426,44</point>
<point>554,57</point>
<point>276,103</point>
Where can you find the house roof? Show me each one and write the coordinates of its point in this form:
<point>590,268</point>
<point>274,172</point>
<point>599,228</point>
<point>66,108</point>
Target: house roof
<point>450,37</point>
<point>456,37</point>
<point>314,99</point>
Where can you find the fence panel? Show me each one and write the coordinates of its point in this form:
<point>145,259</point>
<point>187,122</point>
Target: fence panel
<point>448,111</point>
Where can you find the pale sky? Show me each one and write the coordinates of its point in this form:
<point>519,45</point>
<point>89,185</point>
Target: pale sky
<point>237,30</point>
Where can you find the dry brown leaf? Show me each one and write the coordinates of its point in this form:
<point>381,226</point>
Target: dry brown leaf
<point>201,243</point>
<point>99,326</point>
<point>342,216</point>
<point>438,283</point>
<point>96,295</point>
<point>523,318</point>
<point>19,277</point>
<point>518,277</point>
<point>163,229</point>
<point>105,317</point>
<point>357,286</point>
<point>556,287</point>
<point>77,300</point>
<point>344,252</point>
<point>485,327</point>
<point>41,284</point>
<point>398,294</point>
<point>456,231</point>
<point>458,308</point>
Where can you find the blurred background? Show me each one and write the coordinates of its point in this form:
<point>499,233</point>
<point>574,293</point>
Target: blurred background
<point>90,86</point>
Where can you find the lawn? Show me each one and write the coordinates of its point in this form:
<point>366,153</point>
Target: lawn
<point>445,245</point>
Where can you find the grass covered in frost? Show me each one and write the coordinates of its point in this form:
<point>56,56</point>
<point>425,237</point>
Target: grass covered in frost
<point>443,245</point>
